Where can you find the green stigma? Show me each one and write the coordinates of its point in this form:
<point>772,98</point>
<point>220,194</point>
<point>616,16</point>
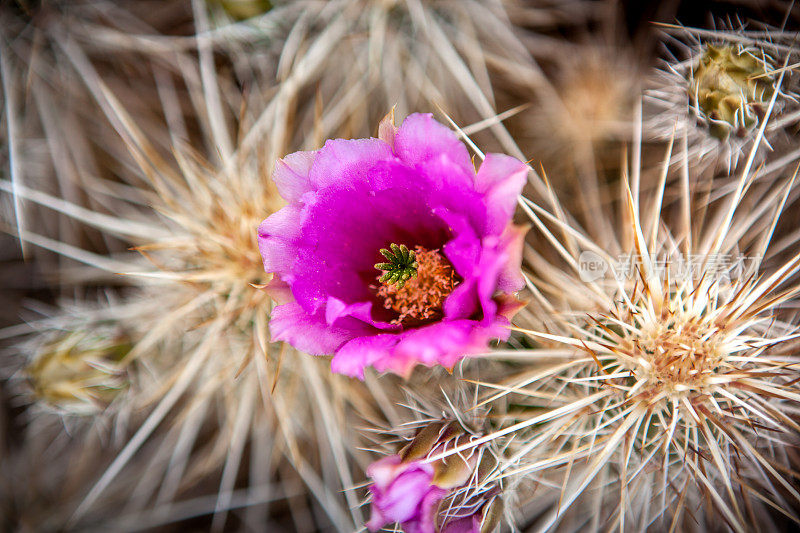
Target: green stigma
<point>401,265</point>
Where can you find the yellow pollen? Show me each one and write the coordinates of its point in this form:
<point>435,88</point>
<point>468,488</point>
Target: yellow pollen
<point>422,297</point>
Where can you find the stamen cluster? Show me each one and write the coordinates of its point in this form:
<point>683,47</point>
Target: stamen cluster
<point>422,297</point>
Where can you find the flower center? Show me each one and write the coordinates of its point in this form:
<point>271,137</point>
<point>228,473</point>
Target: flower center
<point>419,296</point>
<point>401,265</point>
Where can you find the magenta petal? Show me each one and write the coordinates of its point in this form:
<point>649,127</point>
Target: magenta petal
<point>343,162</point>
<point>441,343</point>
<point>425,522</point>
<point>276,236</point>
<point>384,469</point>
<point>464,250</point>
<point>492,261</point>
<point>278,255</point>
<point>404,493</point>
<point>510,278</point>
<point>496,270</point>
<point>420,138</point>
<point>291,175</point>
<point>352,358</point>
<point>453,188</point>
<point>469,524</point>
<point>346,225</point>
<point>463,301</point>
<point>501,179</point>
<point>478,263</point>
<point>290,323</point>
<point>284,224</point>
<point>279,290</point>
<point>402,498</point>
<point>446,342</point>
<point>337,309</point>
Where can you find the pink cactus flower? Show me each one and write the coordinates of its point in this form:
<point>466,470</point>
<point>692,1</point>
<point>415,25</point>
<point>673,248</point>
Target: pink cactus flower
<point>394,251</point>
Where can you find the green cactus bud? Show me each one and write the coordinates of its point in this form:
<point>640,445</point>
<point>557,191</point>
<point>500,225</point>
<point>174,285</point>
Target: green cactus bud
<point>492,514</point>
<point>729,87</point>
<point>244,9</point>
<point>78,372</point>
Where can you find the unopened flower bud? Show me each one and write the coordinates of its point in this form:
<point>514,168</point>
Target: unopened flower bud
<point>729,87</point>
<point>408,489</point>
<point>78,373</point>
